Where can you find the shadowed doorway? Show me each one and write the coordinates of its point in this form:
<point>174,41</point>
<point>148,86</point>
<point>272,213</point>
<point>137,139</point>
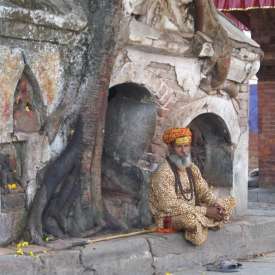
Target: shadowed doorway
<point>130,126</point>
<point>212,151</point>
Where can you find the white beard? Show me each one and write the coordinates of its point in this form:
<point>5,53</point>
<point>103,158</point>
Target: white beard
<point>181,162</point>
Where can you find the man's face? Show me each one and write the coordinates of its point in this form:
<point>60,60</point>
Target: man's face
<point>182,150</point>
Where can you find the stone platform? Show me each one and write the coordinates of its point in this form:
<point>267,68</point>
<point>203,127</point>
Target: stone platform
<point>149,253</point>
<point>261,195</point>
<point>264,264</point>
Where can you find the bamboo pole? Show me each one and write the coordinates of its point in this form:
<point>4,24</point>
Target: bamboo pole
<point>123,235</point>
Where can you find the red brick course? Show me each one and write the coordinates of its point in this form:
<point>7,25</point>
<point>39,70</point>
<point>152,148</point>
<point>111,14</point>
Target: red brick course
<point>267,132</point>
<point>253,151</point>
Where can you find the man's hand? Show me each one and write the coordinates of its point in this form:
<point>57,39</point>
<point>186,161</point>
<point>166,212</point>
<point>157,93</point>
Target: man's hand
<point>220,207</point>
<point>215,213</point>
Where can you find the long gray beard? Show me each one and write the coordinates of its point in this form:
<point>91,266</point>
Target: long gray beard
<point>181,162</point>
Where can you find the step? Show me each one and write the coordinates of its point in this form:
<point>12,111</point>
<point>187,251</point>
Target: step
<point>151,253</point>
<point>261,195</point>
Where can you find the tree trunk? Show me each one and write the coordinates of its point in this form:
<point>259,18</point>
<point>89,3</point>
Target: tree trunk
<point>79,165</point>
<point>105,15</point>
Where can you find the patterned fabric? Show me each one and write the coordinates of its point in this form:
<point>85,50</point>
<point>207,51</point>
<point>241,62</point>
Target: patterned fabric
<point>185,215</point>
<point>183,140</point>
<point>237,5</point>
<point>170,135</point>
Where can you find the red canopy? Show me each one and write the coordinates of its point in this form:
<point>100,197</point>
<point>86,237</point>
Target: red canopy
<point>236,22</point>
<point>233,8</point>
<point>231,5</point>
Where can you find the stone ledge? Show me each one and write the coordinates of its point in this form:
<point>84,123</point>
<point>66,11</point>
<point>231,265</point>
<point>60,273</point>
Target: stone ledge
<point>127,256</point>
<point>151,253</point>
<point>261,195</point>
<point>70,21</point>
<point>36,33</point>
<point>250,236</point>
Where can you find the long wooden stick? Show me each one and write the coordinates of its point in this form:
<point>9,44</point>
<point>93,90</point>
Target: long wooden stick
<point>123,235</point>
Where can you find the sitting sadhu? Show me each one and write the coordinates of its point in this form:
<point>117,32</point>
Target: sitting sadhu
<point>179,196</point>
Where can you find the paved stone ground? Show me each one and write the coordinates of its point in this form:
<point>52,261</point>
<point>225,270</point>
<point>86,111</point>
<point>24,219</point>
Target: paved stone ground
<point>147,254</point>
<point>261,195</point>
<point>258,266</point>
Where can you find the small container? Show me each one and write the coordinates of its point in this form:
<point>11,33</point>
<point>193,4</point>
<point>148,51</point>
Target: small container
<point>166,226</point>
<point>167,222</point>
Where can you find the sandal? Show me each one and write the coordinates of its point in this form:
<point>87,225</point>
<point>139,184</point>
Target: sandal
<point>224,266</point>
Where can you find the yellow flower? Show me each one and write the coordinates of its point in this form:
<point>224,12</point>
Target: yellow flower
<point>24,244</point>
<point>20,252</point>
<point>13,186</point>
<point>168,273</point>
<point>31,254</point>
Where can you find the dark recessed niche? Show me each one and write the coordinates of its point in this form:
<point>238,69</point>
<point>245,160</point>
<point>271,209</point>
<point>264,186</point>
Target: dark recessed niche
<point>212,150</point>
<point>28,108</point>
<point>130,126</point>
<point>12,157</point>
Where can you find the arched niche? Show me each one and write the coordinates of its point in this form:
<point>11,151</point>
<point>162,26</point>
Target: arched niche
<point>129,129</point>
<point>28,108</point>
<point>212,149</point>
<point>130,122</point>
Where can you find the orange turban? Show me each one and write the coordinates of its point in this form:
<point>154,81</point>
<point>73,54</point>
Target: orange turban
<point>179,135</point>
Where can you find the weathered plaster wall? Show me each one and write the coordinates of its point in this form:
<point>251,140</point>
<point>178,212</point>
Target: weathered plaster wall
<point>157,54</point>
<point>174,84</point>
<point>160,56</point>
<point>45,67</point>
<point>162,62</point>
<point>41,45</point>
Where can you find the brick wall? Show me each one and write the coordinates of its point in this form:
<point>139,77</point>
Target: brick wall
<point>253,151</point>
<point>267,132</point>
<point>253,127</point>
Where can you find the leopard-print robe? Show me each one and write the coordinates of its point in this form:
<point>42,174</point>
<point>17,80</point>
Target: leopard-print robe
<point>185,215</point>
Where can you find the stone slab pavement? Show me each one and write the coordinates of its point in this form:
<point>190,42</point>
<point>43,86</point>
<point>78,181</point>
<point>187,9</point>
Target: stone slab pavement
<point>257,266</point>
<point>261,195</point>
<point>147,254</point>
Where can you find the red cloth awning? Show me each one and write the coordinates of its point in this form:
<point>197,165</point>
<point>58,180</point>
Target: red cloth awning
<point>234,8</point>
<point>242,5</point>
<point>236,22</point>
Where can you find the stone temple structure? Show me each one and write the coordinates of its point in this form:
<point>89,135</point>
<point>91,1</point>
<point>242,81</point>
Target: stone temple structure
<point>181,64</point>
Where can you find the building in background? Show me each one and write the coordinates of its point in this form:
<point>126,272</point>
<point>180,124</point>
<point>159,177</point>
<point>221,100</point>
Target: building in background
<point>259,18</point>
<point>253,125</point>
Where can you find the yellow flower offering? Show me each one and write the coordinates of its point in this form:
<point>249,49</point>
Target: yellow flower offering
<point>20,252</point>
<point>12,186</point>
<point>25,244</point>
<point>22,244</point>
